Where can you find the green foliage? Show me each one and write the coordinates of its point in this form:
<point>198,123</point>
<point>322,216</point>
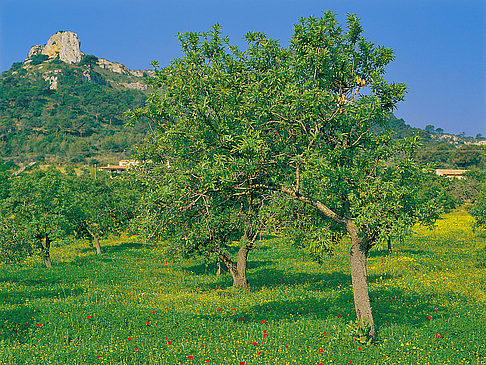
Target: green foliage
<point>38,59</point>
<point>297,121</point>
<point>74,122</point>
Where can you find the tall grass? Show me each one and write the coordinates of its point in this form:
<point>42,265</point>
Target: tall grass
<point>134,305</point>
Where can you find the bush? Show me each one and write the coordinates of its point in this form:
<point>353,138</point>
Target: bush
<point>38,58</point>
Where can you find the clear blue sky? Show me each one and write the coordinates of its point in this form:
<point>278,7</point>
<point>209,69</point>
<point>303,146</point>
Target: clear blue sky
<point>440,45</point>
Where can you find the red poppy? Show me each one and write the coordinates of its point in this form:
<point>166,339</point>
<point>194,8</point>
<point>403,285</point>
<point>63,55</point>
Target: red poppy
<point>254,343</point>
<point>98,357</point>
<point>429,317</point>
<point>286,346</point>
<point>436,309</point>
<point>129,338</point>
<point>262,321</point>
<point>220,309</point>
<point>39,324</point>
<point>310,310</point>
<point>264,331</point>
<point>206,360</point>
<point>437,335</point>
<point>324,333</point>
<point>320,351</point>
<point>136,349</point>
<point>153,312</point>
<point>350,361</point>
<point>148,322</point>
<point>258,353</point>
<point>202,345</point>
<point>89,317</point>
<point>190,357</point>
<point>320,363</point>
<point>339,316</point>
<point>265,335</point>
<point>234,309</point>
<point>166,337</point>
<point>359,348</point>
<point>169,343</point>
<point>26,323</point>
<point>242,318</point>
<point>242,363</point>
<point>166,307</point>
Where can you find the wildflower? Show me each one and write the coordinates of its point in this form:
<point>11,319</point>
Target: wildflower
<point>324,333</point>
<point>262,321</point>
<point>220,309</point>
<point>242,363</point>
<point>136,349</point>
<point>190,357</point>
<point>339,316</point>
<point>320,351</point>
<point>98,357</point>
<point>169,343</point>
<point>258,353</point>
<point>429,317</point>
<point>129,338</point>
<point>148,322</point>
<point>39,324</point>
<point>265,335</point>
<point>359,348</point>
<point>254,343</point>
<point>436,309</point>
<point>202,345</point>
<point>437,335</point>
<point>242,318</point>
<point>166,337</point>
<point>166,307</point>
<point>26,323</point>
<point>89,317</point>
<point>286,346</point>
<point>153,312</point>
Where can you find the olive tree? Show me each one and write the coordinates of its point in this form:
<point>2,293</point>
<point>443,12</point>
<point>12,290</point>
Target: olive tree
<point>306,123</point>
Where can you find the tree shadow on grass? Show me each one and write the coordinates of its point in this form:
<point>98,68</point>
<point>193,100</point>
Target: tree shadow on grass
<point>210,268</point>
<point>16,323</point>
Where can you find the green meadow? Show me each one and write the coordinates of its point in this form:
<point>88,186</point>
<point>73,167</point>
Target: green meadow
<point>136,305</point>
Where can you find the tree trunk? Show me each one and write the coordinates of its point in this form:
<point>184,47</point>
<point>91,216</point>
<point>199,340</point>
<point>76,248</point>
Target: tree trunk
<point>47,256</point>
<point>97,244</point>
<point>389,246</point>
<point>238,269</point>
<point>358,253</point>
<point>218,265</point>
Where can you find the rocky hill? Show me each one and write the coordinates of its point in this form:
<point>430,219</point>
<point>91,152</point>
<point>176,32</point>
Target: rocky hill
<point>61,105</point>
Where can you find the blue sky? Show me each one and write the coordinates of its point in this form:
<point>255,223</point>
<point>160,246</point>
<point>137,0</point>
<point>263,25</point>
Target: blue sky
<point>440,45</point>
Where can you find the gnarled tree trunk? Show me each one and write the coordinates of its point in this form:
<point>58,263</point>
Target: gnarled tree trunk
<point>97,244</point>
<point>238,269</point>
<point>47,255</point>
<point>358,257</point>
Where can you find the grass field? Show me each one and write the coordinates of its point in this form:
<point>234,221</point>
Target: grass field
<point>133,305</point>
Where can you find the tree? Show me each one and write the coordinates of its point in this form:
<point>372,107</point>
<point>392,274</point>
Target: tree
<point>104,206</point>
<point>41,207</point>
<point>293,122</point>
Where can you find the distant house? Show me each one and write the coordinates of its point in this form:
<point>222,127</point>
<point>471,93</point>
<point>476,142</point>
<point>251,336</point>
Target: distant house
<point>456,174</point>
<point>123,165</point>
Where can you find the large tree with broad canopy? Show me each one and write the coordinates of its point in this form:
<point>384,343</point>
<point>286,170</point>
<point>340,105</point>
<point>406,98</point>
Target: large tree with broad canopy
<point>237,130</point>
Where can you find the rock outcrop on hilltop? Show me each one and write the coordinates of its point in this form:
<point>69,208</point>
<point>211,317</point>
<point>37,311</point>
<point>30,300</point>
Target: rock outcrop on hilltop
<point>64,45</point>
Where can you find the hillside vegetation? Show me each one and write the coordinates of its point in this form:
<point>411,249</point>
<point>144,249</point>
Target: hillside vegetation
<point>136,305</point>
<point>57,112</point>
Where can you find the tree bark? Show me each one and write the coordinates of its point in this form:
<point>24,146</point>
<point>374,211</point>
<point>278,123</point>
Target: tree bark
<point>238,269</point>
<point>218,265</point>
<point>47,255</point>
<point>389,246</point>
<point>97,244</point>
<point>96,240</point>
<point>358,257</point>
